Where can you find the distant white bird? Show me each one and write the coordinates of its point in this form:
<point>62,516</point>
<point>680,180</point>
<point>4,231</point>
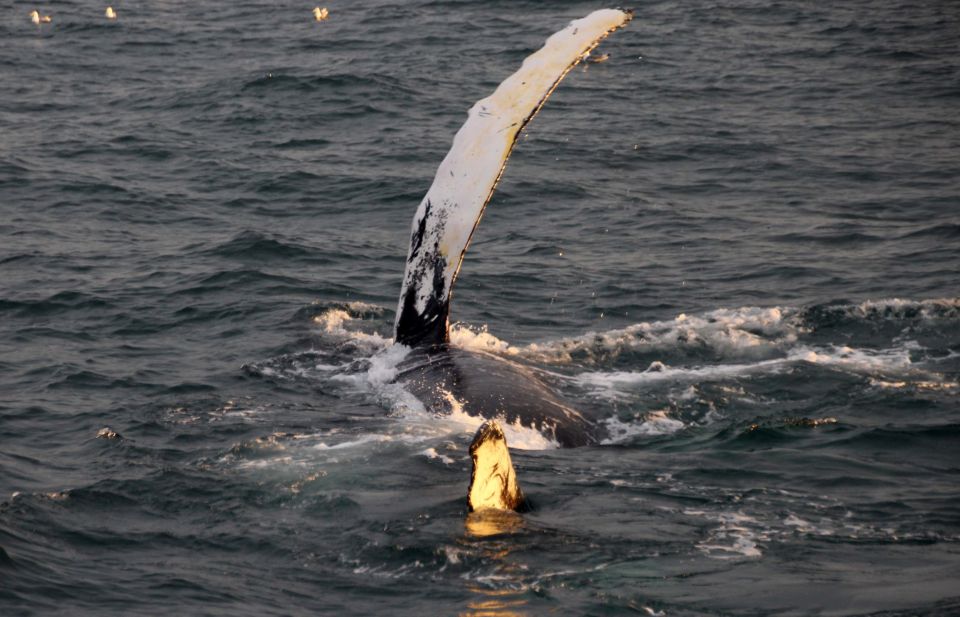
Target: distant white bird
<point>321,14</point>
<point>38,19</point>
<point>110,13</point>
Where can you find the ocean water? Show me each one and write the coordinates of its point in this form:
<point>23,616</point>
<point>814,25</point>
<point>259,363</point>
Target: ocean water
<point>736,242</point>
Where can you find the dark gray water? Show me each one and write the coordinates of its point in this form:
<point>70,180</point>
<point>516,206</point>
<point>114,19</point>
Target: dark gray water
<point>736,241</point>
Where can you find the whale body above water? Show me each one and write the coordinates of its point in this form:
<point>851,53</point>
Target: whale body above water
<point>443,376</point>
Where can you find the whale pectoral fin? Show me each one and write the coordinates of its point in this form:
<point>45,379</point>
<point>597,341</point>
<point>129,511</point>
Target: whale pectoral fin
<point>493,481</point>
<point>468,175</point>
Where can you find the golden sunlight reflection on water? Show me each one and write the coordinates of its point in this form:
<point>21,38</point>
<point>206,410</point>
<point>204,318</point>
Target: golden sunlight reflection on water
<point>484,528</point>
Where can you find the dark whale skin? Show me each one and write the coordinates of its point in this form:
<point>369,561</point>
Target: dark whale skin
<point>492,387</point>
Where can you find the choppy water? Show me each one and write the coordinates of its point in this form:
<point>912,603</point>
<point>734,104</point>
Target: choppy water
<point>736,241</point>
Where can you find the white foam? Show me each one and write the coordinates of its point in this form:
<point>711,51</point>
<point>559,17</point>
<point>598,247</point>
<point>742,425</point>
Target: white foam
<point>363,440</point>
<point>899,308</point>
<point>432,453</point>
<point>736,537</point>
<point>610,384</point>
<point>480,339</point>
<point>358,306</point>
<point>305,451</point>
<point>659,372</point>
<point>915,384</point>
<point>300,365</point>
<point>285,461</point>
<point>518,436</point>
<point>418,422</point>
<point>742,332</point>
<point>803,526</point>
<point>382,368</point>
<point>335,322</point>
<point>741,545</point>
<point>332,320</point>
<point>747,331</point>
<point>654,423</point>
<point>765,336</point>
<point>795,521</point>
<point>868,361</point>
<point>378,380</point>
<point>384,365</point>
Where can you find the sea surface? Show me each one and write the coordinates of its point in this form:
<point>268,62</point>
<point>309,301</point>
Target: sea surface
<point>736,242</point>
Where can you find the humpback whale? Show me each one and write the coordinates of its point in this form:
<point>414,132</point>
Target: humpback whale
<point>441,375</point>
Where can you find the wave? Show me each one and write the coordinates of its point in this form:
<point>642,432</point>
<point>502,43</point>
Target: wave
<point>744,332</point>
<point>255,246</point>
<point>60,302</point>
<point>653,424</point>
<point>732,332</point>
<point>890,309</point>
<point>381,84</point>
<point>355,357</point>
<point>884,368</point>
<point>369,370</point>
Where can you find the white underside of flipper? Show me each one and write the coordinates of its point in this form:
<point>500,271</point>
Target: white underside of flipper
<point>468,175</point>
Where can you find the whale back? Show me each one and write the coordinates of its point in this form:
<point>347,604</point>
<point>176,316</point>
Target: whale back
<point>482,384</point>
<point>467,177</point>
